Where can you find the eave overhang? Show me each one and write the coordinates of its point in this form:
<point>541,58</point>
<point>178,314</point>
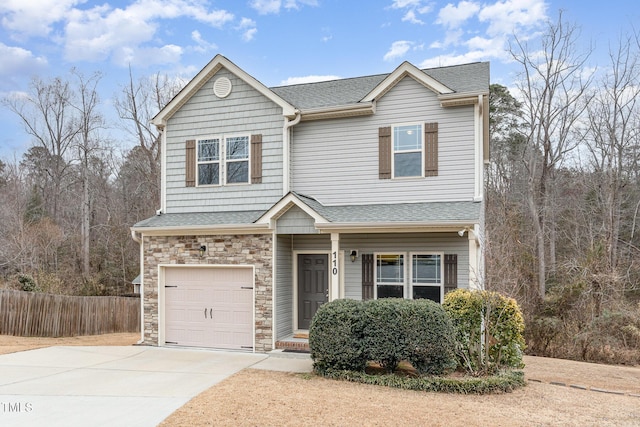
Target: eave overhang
<point>460,99</point>
<point>387,227</point>
<point>203,229</point>
<point>352,110</point>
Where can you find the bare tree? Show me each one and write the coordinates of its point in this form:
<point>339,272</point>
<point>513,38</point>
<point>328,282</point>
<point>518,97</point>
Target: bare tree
<point>90,121</point>
<point>137,104</point>
<point>553,89</point>
<point>47,115</point>
<point>612,135</point>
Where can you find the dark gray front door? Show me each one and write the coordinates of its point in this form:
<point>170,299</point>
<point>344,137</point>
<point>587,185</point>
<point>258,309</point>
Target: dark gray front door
<point>313,285</point>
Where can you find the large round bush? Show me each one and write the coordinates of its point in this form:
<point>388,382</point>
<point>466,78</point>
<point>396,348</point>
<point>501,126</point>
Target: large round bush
<point>418,331</point>
<point>335,337</point>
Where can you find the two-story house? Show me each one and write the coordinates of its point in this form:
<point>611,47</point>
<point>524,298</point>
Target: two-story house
<point>276,200</point>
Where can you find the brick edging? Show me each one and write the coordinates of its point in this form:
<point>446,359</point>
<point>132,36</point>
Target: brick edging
<point>585,387</point>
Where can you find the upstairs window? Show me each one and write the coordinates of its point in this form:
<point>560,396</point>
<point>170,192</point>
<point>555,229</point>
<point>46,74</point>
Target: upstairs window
<point>407,151</point>
<point>228,159</point>
<point>209,161</point>
<point>237,159</point>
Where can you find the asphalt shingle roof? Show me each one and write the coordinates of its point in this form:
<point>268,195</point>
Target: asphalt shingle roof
<point>460,78</point>
<point>204,219</point>
<point>439,212</point>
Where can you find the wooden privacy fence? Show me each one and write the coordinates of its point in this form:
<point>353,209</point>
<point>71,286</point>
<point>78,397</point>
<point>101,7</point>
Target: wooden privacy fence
<point>30,314</point>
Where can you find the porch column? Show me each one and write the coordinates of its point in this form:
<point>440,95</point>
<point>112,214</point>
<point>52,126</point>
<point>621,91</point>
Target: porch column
<point>473,261</point>
<point>334,265</point>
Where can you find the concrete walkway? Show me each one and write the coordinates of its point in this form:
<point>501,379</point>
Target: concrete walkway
<point>116,386</point>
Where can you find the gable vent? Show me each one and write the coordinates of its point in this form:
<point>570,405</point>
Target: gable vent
<point>222,87</point>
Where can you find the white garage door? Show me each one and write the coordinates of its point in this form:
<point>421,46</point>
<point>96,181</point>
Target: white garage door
<point>209,307</point>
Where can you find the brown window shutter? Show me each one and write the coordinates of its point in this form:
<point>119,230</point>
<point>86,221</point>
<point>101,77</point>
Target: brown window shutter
<point>190,164</point>
<point>450,272</point>
<point>256,159</point>
<point>431,149</point>
<point>384,152</point>
<point>367,276</point>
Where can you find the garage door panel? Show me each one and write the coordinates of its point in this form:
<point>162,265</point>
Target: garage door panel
<point>209,307</point>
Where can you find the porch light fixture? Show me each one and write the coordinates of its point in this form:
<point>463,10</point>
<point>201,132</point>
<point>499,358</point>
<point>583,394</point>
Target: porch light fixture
<point>202,250</point>
<point>354,255</point>
<point>461,232</point>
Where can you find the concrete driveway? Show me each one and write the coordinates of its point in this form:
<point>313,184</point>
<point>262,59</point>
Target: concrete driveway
<point>108,386</point>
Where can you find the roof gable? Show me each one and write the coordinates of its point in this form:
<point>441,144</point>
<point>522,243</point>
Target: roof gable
<point>406,69</point>
<point>284,204</point>
<point>217,63</point>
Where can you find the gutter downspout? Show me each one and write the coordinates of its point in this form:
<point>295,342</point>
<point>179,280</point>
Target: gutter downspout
<point>286,152</point>
<point>163,167</point>
<point>138,239</point>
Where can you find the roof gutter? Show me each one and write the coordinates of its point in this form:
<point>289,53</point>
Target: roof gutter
<point>286,151</point>
<point>460,99</point>
<point>382,227</point>
<point>201,229</point>
<point>350,110</point>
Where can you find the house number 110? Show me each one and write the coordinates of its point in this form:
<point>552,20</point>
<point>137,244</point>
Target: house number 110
<point>334,262</point>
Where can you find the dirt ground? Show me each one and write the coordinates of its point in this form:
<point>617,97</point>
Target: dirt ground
<point>263,398</point>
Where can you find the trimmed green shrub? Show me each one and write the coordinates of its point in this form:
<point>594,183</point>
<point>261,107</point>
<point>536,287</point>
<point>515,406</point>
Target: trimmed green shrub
<point>430,337</point>
<point>417,331</point>
<point>335,336</point>
<point>384,339</point>
<point>504,381</point>
<point>489,330</point>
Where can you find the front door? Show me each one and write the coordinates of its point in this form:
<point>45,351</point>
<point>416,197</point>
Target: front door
<point>313,286</point>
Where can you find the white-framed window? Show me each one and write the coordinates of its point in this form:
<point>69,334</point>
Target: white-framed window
<point>223,160</point>
<point>408,150</point>
<point>390,275</point>
<point>411,275</point>
<point>237,159</point>
<point>208,161</point>
<point>427,276</point>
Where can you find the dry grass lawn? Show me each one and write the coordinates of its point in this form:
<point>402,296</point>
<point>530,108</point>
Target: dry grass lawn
<point>263,398</point>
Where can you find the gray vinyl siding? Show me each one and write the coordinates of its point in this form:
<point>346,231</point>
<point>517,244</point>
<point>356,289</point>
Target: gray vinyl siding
<point>336,161</point>
<point>296,221</point>
<point>449,243</point>
<point>284,288</point>
<point>244,111</point>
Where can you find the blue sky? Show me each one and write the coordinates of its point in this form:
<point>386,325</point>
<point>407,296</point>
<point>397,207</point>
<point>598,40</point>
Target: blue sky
<point>276,41</point>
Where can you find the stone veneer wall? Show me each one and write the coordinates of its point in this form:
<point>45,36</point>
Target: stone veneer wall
<point>254,249</point>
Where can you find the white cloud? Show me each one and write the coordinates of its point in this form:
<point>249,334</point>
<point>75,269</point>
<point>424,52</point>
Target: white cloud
<point>100,32</point>
<point>145,56</point>
<point>308,79</point>
<point>505,17</point>
<point>401,4</point>
<point>248,28</point>
<point>453,16</point>
<point>410,17</point>
<point>413,9</point>
<point>493,24</point>
<point>398,49</point>
<point>265,7</point>
<point>18,64</point>
<point>445,60</point>
<point>202,45</point>
<point>34,18</point>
